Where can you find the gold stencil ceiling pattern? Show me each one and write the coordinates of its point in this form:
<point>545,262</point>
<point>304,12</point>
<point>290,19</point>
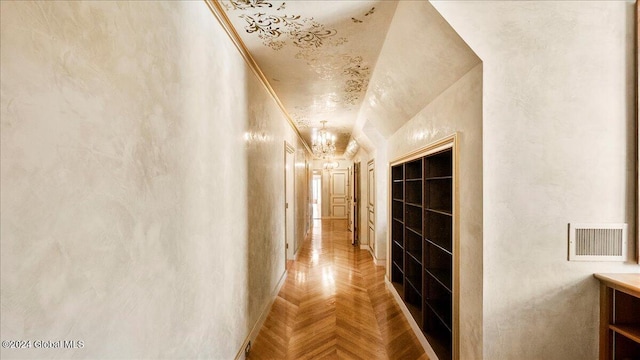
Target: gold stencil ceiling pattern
<point>317,55</point>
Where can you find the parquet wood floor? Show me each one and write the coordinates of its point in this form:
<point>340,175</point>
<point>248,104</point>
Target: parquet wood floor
<point>335,305</point>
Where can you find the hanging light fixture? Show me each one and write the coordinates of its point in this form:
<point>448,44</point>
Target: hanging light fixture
<point>324,143</point>
<point>330,165</point>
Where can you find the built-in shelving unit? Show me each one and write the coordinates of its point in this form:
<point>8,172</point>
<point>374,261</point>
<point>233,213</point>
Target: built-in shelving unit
<point>422,244</point>
<point>619,316</point>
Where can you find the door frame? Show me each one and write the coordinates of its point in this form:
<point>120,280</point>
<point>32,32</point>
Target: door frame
<point>371,203</point>
<point>316,174</point>
<point>356,203</point>
<point>289,254</point>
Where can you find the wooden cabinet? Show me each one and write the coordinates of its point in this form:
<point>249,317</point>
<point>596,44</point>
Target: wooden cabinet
<point>422,244</point>
<point>619,316</point>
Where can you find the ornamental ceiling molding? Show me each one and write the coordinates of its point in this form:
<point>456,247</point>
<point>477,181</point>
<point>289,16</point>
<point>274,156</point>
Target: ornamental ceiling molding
<point>312,40</point>
<point>222,18</point>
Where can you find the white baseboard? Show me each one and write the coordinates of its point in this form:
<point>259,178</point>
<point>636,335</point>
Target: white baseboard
<point>414,326</point>
<point>263,316</point>
<point>376,261</point>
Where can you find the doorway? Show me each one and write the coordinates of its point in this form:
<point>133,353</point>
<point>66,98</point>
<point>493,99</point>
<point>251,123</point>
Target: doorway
<point>316,194</point>
<point>289,168</point>
<point>338,182</point>
<point>356,204</point>
<point>371,192</point>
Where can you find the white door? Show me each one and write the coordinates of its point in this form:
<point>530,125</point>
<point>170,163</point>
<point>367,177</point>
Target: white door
<point>349,212</point>
<point>338,194</point>
<point>371,192</point>
<point>289,200</point>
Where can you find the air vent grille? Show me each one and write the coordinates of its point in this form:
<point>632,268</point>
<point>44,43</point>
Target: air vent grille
<point>597,242</point>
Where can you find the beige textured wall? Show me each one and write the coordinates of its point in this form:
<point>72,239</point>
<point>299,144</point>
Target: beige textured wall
<point>142,172</point>
<point>458,109</point>
<point>558,134</point>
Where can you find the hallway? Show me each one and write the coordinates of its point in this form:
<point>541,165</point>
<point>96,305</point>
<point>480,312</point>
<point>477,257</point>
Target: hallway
<point>335,304</point>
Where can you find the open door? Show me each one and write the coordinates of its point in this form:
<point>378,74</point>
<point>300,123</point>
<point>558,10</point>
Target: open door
<point>356,204</point>
<point>371,192</point>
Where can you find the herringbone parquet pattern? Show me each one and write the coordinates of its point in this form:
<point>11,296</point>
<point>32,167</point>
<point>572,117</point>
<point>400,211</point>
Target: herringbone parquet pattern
<point>335,305</point>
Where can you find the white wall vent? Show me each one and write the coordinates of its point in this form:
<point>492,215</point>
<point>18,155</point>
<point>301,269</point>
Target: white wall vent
<point>597,242</point>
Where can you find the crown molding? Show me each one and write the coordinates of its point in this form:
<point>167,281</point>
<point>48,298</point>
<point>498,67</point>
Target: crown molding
<point>219,13</point>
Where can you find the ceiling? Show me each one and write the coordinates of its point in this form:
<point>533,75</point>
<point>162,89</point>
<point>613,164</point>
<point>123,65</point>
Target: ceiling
<point>318,56</point>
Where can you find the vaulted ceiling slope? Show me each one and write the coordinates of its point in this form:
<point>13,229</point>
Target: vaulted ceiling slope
<point>421,57</point>
<point>366,67</point>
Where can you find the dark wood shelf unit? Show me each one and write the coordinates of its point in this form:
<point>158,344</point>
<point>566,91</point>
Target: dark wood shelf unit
<point>619,316</point>
<point>422,248</point>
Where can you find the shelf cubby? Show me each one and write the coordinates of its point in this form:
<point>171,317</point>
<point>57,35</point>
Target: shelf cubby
<point>438,195</point>
<point>413,273</point>
<point>438,335</point>
<point>397,191</point>
<point>396,210</point>
<point>440,165</point>
<point>439,300</point>
<point>413,192</point>
<point>413,170</point>
<point>438,229</point>
<point>397,276</point>
<point>414,245</point>
<point>397,255</point>
<point>413,218</point>
<point>397,232</point>
<point>397,172</point>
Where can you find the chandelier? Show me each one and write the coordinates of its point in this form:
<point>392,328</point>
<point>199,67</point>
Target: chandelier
<point>330,165</point>
<point>324,143</point>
